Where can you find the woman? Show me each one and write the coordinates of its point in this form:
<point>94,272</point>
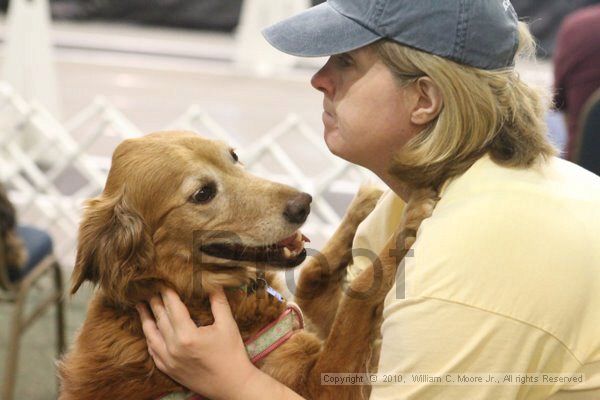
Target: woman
<point>504,275</point>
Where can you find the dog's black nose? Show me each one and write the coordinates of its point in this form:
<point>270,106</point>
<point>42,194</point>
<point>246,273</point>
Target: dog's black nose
<point>298,208</point>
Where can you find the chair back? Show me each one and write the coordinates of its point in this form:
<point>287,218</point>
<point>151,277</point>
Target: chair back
<point>587,148</point>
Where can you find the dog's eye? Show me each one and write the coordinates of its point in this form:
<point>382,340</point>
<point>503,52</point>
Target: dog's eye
<point>205,194</point>
<point>234,155</point>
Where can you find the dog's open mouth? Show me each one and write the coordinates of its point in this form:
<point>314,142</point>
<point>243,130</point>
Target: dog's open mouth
<point>288,252</point>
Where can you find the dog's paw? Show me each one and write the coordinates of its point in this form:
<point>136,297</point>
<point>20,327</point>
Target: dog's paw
<point>363,204</point>
<point>420,206</point>
<point>339,247</point>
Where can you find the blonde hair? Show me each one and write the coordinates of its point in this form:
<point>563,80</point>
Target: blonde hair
<point>484,111</point>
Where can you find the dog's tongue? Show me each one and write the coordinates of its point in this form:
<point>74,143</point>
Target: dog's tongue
<point>295,237</point>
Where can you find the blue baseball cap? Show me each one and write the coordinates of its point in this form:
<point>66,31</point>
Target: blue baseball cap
<point>480,33</point>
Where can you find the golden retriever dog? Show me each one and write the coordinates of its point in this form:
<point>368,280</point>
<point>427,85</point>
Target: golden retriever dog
<point>180,211</point>
<point>15,253</point>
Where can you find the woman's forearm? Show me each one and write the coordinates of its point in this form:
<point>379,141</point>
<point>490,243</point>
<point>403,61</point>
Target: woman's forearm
<point>261,386</point>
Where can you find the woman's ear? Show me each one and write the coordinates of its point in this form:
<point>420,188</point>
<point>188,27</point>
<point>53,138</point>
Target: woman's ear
<point>430,101</point>
<point>114,246</point>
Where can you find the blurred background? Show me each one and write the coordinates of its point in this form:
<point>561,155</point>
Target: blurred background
<point>79,76</point>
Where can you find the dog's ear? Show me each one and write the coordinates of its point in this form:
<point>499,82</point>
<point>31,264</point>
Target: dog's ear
<point>114,246</point>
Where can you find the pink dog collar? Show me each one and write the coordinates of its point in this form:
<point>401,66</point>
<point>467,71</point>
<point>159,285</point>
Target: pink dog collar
<point>275,333</point>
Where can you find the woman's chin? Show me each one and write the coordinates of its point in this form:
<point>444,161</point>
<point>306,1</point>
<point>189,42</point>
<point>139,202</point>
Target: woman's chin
<point>332,140</point>
<point>336,144</point>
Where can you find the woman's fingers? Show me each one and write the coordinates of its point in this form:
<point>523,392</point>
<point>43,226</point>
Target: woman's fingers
<point>170,308</point>
<point>161,316</point>
<point>154,339</point>
<point>176,311</point>
<point>220,308</point>
<point>148,323</point>
<point>172,330</point>
<point>189,352</point>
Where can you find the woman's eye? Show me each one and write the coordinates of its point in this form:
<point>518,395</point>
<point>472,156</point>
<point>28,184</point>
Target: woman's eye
<point>234,155</point>
<point>205,194</point>
<point>343,60</point>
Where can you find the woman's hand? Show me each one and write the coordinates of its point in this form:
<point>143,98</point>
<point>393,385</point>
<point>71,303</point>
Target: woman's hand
<point>209,360</point>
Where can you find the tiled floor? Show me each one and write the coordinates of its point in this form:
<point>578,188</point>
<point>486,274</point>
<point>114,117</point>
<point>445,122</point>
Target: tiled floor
<point>36,379</point>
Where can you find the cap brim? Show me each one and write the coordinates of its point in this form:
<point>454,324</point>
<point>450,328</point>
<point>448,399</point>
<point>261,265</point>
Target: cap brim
<point>317,32</point>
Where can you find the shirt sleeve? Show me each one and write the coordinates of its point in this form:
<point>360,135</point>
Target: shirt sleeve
<point>427,336</point>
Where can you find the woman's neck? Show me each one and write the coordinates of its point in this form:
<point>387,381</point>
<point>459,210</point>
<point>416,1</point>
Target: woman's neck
<point>401,189</point>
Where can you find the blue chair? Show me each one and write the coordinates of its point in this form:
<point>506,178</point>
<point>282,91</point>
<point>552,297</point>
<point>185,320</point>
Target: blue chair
<point>14,288</point>
<point>587,145</point>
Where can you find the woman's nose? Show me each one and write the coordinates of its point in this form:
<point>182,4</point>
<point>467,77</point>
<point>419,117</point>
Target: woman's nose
<point>322,81</point>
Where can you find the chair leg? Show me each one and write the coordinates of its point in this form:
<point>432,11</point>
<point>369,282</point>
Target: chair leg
<point>60,314</point>
<point>12,357</point>
<point>60,310</point>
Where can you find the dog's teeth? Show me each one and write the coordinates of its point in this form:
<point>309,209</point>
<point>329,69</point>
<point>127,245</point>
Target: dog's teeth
<point>287,253</point>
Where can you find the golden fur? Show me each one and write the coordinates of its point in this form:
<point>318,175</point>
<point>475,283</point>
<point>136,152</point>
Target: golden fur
<point>14,249</point>
<point>142,233</point>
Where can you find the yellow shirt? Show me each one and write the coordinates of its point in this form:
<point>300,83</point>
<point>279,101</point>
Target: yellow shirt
<point>504,278</point>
